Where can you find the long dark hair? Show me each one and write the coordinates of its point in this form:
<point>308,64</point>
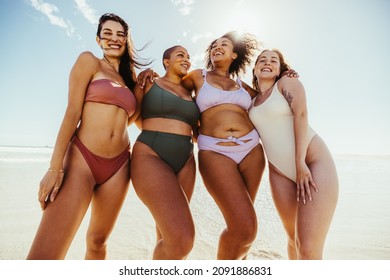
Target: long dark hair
<point>244,45</point>
<point>130,59</point>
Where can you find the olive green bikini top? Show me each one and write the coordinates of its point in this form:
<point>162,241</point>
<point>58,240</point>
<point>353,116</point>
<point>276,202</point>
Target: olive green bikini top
<point>160,103</point>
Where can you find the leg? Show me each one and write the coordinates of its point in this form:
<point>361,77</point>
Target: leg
<point>252,169</point>
<point>62,218</point>
<point>227,186</point>
<point>158,187</point>
<point>315,217</point>
<point>107,201</point>
<point>186,178</point>
<point>285,199</point>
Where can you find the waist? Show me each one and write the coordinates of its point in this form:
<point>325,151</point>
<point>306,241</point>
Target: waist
<point>235,125</point>
<point>105,143</point>
<point>167,125</point>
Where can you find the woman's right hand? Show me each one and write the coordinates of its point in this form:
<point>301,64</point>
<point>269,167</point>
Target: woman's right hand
<point>50,186</point>
<point>144,75</point>
<point>304,183</point>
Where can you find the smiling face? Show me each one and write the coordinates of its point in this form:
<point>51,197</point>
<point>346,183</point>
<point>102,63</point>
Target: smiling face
<point>178,61</point>
<point>221,49</point>
<point>112,38</point>
<point>267,65</point>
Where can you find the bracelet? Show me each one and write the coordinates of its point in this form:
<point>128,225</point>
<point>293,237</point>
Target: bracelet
<point>55,170</point>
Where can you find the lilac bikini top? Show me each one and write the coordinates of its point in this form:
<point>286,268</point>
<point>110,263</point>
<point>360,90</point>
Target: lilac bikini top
<point>209,96</point>
<point>110,92</point>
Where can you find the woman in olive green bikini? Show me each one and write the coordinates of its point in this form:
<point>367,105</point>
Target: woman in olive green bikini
<point>163,165</point>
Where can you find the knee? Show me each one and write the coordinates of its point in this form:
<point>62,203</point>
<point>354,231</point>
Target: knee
<point>245,231</point>
<point>181,242</point>
<point>307,250</point>
<point>96,241</point>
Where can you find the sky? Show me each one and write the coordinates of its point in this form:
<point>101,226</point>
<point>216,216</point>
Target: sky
<point>338,47</point>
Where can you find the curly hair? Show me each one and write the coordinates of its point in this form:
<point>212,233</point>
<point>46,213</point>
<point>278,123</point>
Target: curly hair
<point>244,45</point>
<point>283,67</point>
<point>130,59</point>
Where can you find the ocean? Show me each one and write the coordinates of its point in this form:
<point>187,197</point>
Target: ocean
<point>360,229</point>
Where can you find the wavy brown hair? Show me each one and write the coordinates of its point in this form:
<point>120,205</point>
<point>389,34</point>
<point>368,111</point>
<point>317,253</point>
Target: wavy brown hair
<point>284,67</point>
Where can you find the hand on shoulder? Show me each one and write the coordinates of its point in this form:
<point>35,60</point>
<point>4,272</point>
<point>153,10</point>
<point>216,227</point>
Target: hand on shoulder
<point>286,82</point>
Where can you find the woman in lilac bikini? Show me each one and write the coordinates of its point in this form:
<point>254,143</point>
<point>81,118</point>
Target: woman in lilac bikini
<point>90,161</point>
<point>231,159</point>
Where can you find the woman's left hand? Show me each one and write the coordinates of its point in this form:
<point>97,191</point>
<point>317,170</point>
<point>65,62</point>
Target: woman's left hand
<point>304,183</point>
<point>145,75</point>
<point>49,186</point>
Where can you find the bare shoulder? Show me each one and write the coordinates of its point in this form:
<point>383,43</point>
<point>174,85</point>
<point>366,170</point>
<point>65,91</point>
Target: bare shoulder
<point>290,84</point>
<point>88,57</point>
<point>85,66</point>
<point>195,74</point>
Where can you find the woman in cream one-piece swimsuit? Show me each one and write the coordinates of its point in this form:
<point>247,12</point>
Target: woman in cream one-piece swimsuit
<point>302,173</point>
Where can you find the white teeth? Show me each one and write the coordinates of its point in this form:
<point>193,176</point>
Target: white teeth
<point>266,70</point>
<point>114,46</point>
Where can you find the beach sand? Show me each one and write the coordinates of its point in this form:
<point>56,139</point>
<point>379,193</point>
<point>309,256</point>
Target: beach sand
<point>360,229</point>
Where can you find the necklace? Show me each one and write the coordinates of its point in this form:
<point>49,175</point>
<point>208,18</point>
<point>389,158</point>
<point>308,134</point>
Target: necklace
<point>107,61</point>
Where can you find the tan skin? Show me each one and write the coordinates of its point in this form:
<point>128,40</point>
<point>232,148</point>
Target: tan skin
<point>166,194</point>
<point>103,130</point>
<point>306,208</point>
<point>233,187</point>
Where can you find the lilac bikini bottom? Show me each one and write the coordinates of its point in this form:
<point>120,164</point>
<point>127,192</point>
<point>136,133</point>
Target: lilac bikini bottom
<point>238,152</point>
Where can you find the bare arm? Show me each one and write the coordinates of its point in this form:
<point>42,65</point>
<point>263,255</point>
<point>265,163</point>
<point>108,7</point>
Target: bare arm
<point>139,95</point>
<point>249,89</point>
<point>294,93</point>
<point>80,76</point>
<point>193,81</point>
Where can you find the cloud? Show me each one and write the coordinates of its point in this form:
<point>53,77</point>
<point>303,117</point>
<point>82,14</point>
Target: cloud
<point>87,11</point>
<point>49,10</point>
<point>183,6</point>
<point>197,37</point>
<point>197,60</point>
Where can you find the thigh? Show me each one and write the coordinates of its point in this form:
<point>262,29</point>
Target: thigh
<point>315,217</point>
<point>158,187</point>
<point>186,177</point>
<point>107,201</point>
<point>252,169</point>
<point>61,218</point>
<point>225,184</point>
<point>284,195</point>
